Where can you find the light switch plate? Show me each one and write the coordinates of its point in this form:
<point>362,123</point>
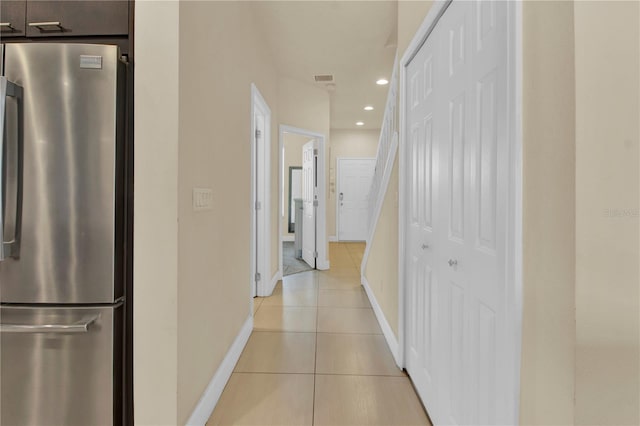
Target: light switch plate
<point>202,199</point>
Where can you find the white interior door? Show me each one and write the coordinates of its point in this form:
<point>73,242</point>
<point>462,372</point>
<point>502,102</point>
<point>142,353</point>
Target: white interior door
<point>423,227</point>
<point>260,166</point>
<point>355,176</point>
<point>260,225</point>
<point>458,338</point>
<point>309,202</point>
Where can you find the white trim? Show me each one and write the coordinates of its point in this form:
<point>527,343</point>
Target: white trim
<point>382,192</point>
<point>515,273</point>
<point>322,265</point>
<point>322,262</point>
<point>387,332</point>
<point>515,237</point>
<point>333,239</point>
<point>338,160</point>
<point>211,395</point>
<point>262,255</point>
<point>287,238</point>
<point>434,14</point>
<point>280,194</point>
<point>274,280</point>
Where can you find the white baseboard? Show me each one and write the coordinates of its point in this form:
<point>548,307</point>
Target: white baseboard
<point>272,285</point>
<point>265,289</point>
<point>333,239</point>
<point>322,265</point>
<point>214,389</point>
<point>392,342</point>
<point>288,238</point>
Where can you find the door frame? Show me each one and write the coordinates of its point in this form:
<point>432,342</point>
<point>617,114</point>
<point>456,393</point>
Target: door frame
<point>338,161</point>
<point>514,231</point>
<point>322,261</point>
<point>260,218</point>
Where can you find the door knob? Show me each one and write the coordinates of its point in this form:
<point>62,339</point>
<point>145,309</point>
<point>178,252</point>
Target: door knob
<point>425,246</point>
<point>453,262</point>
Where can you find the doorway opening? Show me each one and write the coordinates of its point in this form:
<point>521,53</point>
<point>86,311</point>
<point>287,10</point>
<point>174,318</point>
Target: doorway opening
<point>302,178</point>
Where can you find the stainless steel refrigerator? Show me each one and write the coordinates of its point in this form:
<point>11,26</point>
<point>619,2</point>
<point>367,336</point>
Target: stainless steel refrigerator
<point>61,217</point>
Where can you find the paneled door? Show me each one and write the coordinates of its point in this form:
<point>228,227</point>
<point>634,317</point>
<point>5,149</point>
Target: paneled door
<point>458,157</point>
<point>309,202</point>
<point>423,229</point>
<point>355,176</point>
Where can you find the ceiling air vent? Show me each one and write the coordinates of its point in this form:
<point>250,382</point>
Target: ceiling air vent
<point>323,78</point>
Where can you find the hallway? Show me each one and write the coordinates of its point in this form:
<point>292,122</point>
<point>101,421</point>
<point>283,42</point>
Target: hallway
<point>317,356</point>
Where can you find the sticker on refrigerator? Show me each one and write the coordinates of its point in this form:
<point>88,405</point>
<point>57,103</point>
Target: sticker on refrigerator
<point>91,62</point>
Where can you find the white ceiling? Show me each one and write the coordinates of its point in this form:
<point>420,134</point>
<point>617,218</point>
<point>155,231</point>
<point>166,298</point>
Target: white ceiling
<point>353,40</point>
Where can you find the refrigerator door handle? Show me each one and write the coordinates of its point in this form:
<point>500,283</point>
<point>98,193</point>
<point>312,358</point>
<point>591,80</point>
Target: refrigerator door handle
<point>81,326</point>
<point>10,89</point>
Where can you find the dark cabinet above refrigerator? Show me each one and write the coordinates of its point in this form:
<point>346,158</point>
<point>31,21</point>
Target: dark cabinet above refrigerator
<point>13,18</point>
<point>41,19</point>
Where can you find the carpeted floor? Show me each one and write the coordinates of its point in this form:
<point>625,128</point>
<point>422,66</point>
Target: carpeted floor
<point>290,264</point>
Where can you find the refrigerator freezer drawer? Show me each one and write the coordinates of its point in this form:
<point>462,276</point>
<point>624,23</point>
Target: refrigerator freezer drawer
<point>58,365</point>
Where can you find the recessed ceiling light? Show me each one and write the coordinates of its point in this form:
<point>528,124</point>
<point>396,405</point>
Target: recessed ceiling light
<point>359,123</point>
<point>382,82</point>
<point>368,108</point>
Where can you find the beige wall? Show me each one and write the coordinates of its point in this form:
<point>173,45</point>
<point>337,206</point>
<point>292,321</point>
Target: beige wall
<point>548,341</point>
<point>156,213</point>
<point>346,144</point>
<point>303,106</point>
<point>292,144</point>
<point>381,270</point>
<point>411,13</point>
<point>192,271</point>
<point>607,186</point>
<point>214,249</point>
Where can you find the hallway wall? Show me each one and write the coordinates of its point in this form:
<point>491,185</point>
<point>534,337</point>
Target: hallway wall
<point>192,271</point>
<point>214,249</point>
<point>155,310</point>
<point>381,270</point>
<point>548,335</point>
<point>607,210</point>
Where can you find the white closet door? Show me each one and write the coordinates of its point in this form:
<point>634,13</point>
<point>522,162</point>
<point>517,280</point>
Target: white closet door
<point>423,231</point>
<point>308,203</point>
<point>466,340</point>
<point>456,139</point>
<point>489,378</point>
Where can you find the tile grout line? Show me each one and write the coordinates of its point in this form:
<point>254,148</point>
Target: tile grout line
<point>315,358</point>
<point>281,373</point>
<point>317,332</point>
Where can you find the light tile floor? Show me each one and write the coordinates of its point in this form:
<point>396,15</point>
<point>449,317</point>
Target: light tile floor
<point>317,357</point>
